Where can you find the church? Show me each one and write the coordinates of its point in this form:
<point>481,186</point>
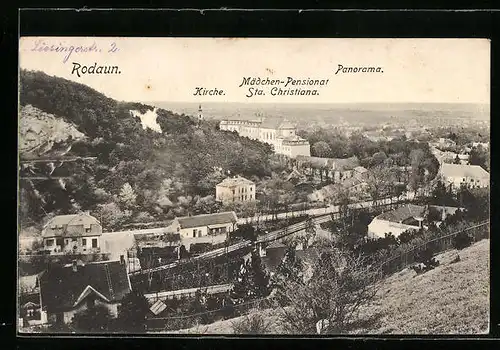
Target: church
<point>280,134</point>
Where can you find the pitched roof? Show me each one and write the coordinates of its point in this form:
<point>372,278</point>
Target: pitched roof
<point>207,219</point>
<point>235,181</point>
<point>62,221</point>
<point>61,287</point>
<point>28,284</point>
<point>270,123</point>
<point>460,170</point>
<point>402,213</point>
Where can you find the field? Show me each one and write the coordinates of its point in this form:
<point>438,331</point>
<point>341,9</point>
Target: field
<point>451,299</point>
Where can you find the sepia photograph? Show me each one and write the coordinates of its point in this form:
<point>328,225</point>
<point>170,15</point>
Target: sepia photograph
<point>253,186</point>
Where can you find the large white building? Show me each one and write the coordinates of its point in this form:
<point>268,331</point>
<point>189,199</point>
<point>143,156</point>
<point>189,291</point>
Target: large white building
<point>458,175</point>
<point>235,189</point>
<point>281,135</point>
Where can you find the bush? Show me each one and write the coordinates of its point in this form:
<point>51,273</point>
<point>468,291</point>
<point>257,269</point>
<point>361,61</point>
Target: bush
<point>425,261</point>
<point>462,240</point>
<point>253,323</point>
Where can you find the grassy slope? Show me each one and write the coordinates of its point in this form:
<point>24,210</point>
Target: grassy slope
<point>451,299</point>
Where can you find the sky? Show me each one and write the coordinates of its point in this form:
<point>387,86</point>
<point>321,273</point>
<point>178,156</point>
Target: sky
<point>170,69</point>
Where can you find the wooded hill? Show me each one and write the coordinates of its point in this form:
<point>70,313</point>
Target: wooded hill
<point>139,174</point>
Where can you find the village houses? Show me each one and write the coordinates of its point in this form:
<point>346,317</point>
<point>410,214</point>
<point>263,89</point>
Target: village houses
<point>235,189</point>
<point>470,176</point>
<point>77,233</point>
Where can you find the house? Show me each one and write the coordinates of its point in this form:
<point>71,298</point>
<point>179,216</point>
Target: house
<point>66,290</point>
<point>458,175</point>
<point>408,217</point>
<point>77,233</point>
<point>205,224</point>
<point>235,189</point>
<point>336,168</point>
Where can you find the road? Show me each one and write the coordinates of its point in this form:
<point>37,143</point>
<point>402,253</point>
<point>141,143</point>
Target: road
<point>323,215</point>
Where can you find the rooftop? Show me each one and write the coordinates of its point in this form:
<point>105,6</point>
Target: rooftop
<point>62,221</point>
<point>64,288</point>
<point>403,213</point>
<point>461,170</point>
<point>207,219</point>
<point>235,181</point>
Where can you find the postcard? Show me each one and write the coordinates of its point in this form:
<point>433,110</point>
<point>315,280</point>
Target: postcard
<point>253,186</point>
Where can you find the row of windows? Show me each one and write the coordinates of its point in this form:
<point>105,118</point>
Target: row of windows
<point>61,242</point>
<point>243,190</point>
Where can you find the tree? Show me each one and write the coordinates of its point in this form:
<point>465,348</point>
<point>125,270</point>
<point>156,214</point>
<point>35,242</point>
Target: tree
<point>337,285</point>
<point>321,149</point>
<point>132,313</point>
<point>127,196</point>
<point>96,319</point>
<point>259,277</point>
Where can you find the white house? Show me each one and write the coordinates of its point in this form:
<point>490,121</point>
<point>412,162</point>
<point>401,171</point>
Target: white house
<point>205,224</point>
<point>471,176</point>
<point>76,233</point>
<point>235,189</point>
<point>408,217</point>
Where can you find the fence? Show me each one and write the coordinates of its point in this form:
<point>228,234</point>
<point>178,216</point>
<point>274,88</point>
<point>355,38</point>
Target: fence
<point>392,265</point>
<point>437,245</point>
<point>227,311</point>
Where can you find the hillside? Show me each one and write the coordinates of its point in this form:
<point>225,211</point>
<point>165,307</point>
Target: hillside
<point>451,299</point>
<point>170,163</point>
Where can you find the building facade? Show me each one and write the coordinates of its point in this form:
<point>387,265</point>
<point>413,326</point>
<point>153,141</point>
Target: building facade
<point>235,189</point>
<point>205,225</point>
<point>459,175</point>
<point>281,135</point>
<point>78,233</point>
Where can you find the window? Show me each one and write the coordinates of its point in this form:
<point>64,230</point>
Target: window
<point>73,240</point>
<point>250,196</point>
<point>233,191</point>
<point>199,233</point>
<point>88,229</point>
<point>194,233</point>
<point>94,242</point>
<point>84,242</point>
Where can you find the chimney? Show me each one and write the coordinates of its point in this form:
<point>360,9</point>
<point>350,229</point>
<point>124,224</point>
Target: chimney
<point>74,266</point>
<point>122,260</point>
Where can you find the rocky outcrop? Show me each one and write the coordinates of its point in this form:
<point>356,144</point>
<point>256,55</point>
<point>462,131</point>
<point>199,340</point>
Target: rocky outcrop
<point>39,132</point>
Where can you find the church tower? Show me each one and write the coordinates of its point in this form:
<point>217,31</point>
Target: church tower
<point>200,115</point>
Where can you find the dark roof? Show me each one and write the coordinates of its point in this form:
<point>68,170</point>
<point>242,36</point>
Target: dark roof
<point>334,163</point>
<point>61,287</point>
<point>403,213</point>
<point>207,219</point>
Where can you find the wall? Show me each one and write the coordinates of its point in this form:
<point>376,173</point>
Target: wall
<point>225,194</point>
<point>378,228</point>
<point>300,149</point>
